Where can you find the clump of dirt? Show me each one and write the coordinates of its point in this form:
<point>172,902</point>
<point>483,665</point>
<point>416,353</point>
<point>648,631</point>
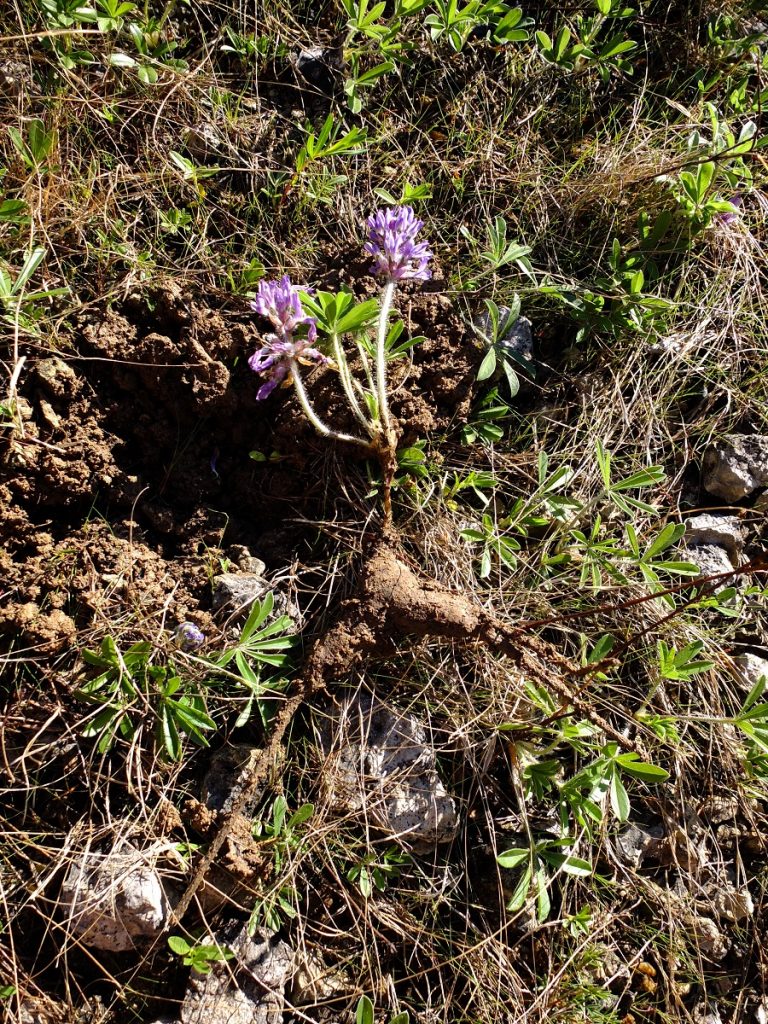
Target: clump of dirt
<point>148,419</point>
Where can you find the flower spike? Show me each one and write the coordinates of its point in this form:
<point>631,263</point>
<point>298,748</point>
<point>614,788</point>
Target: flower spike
<point>392,243</point>
<point>279,302</point>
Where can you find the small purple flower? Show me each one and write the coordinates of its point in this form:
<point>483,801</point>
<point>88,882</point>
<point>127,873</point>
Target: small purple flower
<point>392,243</point>
<point>188,636</point>
<point>730,216</point>
<point>279,302</point>
<point>274,359</point>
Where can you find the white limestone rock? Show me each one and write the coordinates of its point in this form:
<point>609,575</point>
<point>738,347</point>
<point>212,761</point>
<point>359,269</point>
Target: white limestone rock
<point>113,901</point>
<point>378,760</point>
<point>248,989</point>
<point>711,559</point>
<point>723,531</point>
<point>736,466</point>
<point>749,669</point>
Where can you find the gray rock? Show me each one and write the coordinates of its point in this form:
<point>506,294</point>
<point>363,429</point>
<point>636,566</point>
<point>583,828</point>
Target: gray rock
<point>236,591</point>
<point>224,778</point>
<point>56,377</point>
<point>203,141</point>
<point>378,761</point>
<point>736,466</point>
<point>245,560</point>
<point>15,78</point>
<point>312,981</point>
<point>634,844</point>
<point>749,669</point>
<point>517,337</point>
<point>732,903</point>
<point>717,809</point>
<point>114,900</point>
<point>319,66</point>
<point>712,559</point>
<point>724,531</point>
<point>248,989</point>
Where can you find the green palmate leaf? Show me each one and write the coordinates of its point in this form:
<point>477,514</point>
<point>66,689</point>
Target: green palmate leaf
<point>258,614</point>
<point>679,568</point>
<point>569,864</point>
<point>513,381</point>
<point>704,176</point>
<point>561,42</point>
<point>601,650</point>
<point>644,478</point>
<point>362,315</point>
<point>371,76</point>
<point>303,814</point>
<point>121,60</point>
<point>485,564</point>
<point>513,858</point>
<point>758,712</point>
<point>520,894</point>
<point>615,46</point>
<point>12,210</point>
<point>169,733</point>
<point>755,693</point>
<point>192,718</point>
<point>31,263</point>
<point>147,74</point>
<point>671,534</point>
<point>279,809</point>
<point>543,903</point>
<point>249,675</point>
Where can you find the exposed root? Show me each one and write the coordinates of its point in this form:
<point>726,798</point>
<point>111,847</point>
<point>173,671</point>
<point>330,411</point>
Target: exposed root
<point>394,602</point>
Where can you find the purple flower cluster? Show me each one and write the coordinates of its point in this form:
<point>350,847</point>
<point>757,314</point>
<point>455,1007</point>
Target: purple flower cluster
<point>188,636</point>
<point>279,302</point>
<point>392,243</point>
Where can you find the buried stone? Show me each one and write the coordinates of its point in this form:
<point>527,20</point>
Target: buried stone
<point>247,989</point>
<point>378,761</point>
<point>736,466</point>
<point>114,901</point>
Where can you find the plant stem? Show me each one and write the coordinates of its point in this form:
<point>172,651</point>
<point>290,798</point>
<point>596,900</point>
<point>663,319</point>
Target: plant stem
<point>381,359</point>
<point>349,388</point>
<point>312,416</point>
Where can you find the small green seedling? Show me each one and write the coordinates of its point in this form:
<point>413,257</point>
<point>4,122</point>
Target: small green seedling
<point>684,664</point>
<point>34,145</point>
<point>499,355</point>
<point>536,864</point>
<point>366,1014</point>
<point>494,542</point>
<point>200,956</point>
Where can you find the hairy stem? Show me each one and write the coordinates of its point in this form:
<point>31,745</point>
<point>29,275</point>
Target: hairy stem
<point>312,416</point>
<point>349,387</point>
<point>381,358</point>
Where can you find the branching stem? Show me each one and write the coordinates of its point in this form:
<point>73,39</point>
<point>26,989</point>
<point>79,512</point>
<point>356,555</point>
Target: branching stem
<point>349,387</point>
<point>312,416</point>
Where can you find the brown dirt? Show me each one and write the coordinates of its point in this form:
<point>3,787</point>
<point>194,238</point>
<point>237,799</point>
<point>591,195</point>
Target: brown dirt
<point>133,464</point>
